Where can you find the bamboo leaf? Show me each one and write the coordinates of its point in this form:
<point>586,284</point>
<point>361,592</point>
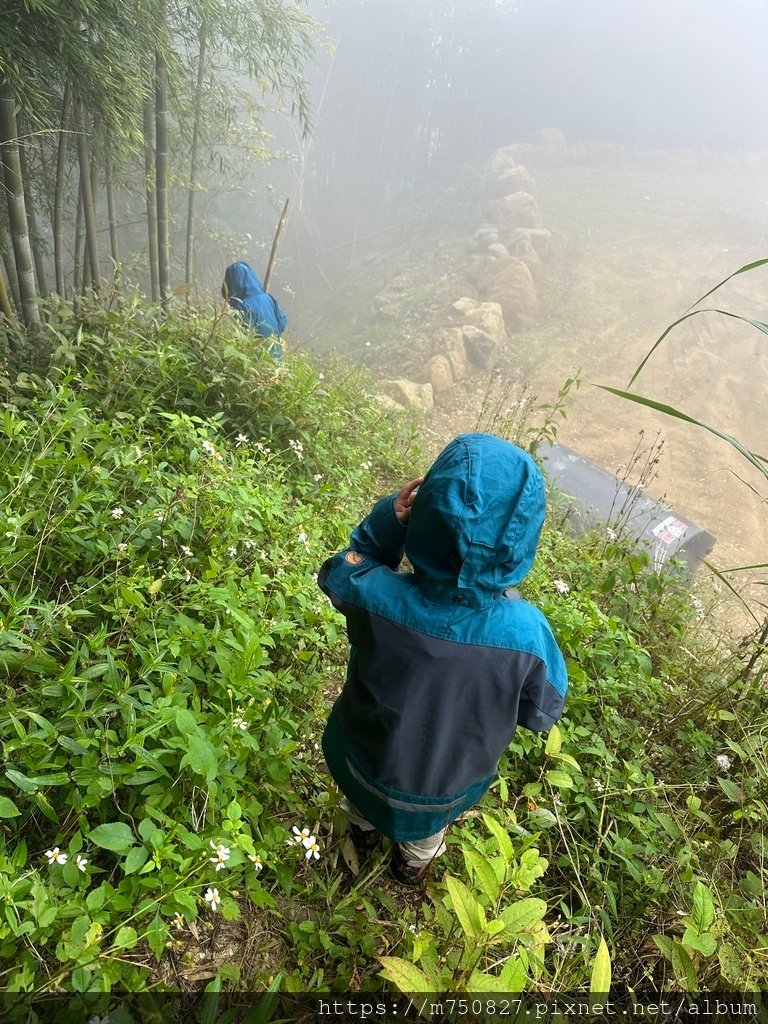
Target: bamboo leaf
<point>742,270</point>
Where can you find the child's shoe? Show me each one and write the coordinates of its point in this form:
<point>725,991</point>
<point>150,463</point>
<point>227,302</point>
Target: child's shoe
<point>405,873</point>
<point>365,839</point>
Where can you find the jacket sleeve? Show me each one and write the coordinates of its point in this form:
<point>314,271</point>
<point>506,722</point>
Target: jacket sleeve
<point>542,697</point>
<point>282,319</point>
<point>378,541</point>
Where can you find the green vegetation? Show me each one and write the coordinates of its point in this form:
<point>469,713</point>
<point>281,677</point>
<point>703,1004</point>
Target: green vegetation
<point>167,661</point>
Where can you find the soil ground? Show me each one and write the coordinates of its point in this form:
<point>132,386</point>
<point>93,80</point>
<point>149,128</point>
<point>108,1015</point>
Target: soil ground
<point>632,249</point>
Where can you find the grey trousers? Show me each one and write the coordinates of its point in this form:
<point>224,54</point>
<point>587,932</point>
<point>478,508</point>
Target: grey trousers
<point>416,852</point>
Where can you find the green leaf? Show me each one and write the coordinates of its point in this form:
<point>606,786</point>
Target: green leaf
<point>469,912</point>
<point>137,858</point>
<point>554,741</point>
<point>404,975</point>
<point>126,938</point>
<point>115,836</point>
<point>600,982</point>
<point>568,760</point>
<point>156,936</point>
<point>480,982</point>
<point>505,843</point>
<point>521,915</point>
<point>484,874</point>
<point>514,975</point>
<point>683,967</point>
<point>703,913</point>
<point>201,758</point>
<point>702,942</point>
<point>560,779</point>
<point>21,781</point>
<point>264,1010</point>
<point>8,808</point>
<point>731,790</point>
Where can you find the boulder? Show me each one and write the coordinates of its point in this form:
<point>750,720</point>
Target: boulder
<point>516,210</point>
<point>441,378</point>
<point>538,238</point>
<point>522,248</point>
<point>450,343</point>
<point>551,147</point>
<point>481,348</point>
<point>510,180</point>
<point>409,394</point>
<point>489,318</point>
<point>513,288</point>
<point>464,305</point>
<point>503,159</point>
<point>498,251</point>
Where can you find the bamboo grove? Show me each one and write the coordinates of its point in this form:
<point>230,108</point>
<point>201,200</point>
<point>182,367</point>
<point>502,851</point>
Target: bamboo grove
<point>112,114</point>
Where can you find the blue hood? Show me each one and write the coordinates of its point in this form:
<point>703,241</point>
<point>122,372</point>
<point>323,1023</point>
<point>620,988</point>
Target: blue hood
<point>475,521</point>
<point>241,282</point>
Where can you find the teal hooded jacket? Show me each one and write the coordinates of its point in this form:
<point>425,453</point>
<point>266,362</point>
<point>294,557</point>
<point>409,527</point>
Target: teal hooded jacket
<point>447,660</point>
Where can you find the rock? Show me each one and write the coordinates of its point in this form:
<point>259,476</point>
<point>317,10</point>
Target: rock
<point>537,238</point>
<point>450,343</point>
<point>441,378</point>
<point>389,403</point>
<point>503,159</point>
<point>464,305</point>
<point>498,251</point>
<point>486,235</point>
<point>489,318</point>
<point>551,147</point>
<point>523,249</point>
<point>481,348</point>
<point>512,287</point>
<point>409,394</point>
<point>479,267</point>
<point>516,210</point>
<point>511,179</point>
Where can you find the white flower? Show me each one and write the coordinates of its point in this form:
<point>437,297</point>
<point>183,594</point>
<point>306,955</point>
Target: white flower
<point>187,551</point>
<point>98,1020</point>
<point>80,862</point>
<point>55,856</point>
<point>317,477</point>
<point>610,534</point>
<point>241,439</point>
<point>122,548</point>
<point>178,920</point>
<point>412,929</point>
<point>598,785</point>
<point>298,448</point>
<point>299,836</point>
<point>561,586</point>
<point>257,861</point>
<point>208,447</point>
<point>232,551</point>
<point>321,376</point>
<point>221,851</point>
<point>367,464</point>
<point>117,512</point>
<point>212,897</point>
<point>723,761</point>
<point>311,846</point>
<point>239,723</point>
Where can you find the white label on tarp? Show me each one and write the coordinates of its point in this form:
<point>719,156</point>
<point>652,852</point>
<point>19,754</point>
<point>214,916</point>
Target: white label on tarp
<point>669,530</point>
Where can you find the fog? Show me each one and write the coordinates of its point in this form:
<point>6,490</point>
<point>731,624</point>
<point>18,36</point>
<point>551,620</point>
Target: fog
<point>658,194</point>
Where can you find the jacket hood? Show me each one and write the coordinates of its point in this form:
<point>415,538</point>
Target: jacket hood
<point>241,281</point>
<point>475,521</point>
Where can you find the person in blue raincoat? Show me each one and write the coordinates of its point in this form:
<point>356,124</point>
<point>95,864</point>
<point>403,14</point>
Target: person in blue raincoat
<point>445,661</point>
<point>244,291</point>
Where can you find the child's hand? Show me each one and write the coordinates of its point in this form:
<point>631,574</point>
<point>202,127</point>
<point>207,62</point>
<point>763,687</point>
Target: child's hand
<point>404,499</point>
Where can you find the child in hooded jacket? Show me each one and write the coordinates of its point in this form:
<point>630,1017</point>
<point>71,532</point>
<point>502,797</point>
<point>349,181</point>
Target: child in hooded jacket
<point>445,662</point>
<point>245,293</point>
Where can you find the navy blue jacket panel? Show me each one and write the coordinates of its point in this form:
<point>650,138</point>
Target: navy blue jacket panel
<point>445,661</point>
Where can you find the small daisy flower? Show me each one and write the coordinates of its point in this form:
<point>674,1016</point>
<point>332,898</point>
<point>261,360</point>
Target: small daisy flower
<point>55,856</point>
<point>317,477</point>
<point>723,761</point>
<point>299,836</point>
<point>212,898</point>
<point>241,439</point>
<point>239,723</point>
<point>178,921</point>
<point>311,846</point>
<point>117,512</point>
<point>610,534</point>
<point>598,785</point>
<point>232,551</point>
<point>208,447</point>
<point>221,851</point>
<point>258,864</point>
<point>298,448</point>
<point>81,863</point>
<point>367,464</point>
<point>122,548</point>
<point>98,1020</point>
<point>561,586</point>
<point>187,551</point>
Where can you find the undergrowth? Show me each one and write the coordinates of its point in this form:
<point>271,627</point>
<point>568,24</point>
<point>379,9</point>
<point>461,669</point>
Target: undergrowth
<point>167,662</point>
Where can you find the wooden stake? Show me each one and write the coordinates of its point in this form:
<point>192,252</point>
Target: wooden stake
<point>280,226</point>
